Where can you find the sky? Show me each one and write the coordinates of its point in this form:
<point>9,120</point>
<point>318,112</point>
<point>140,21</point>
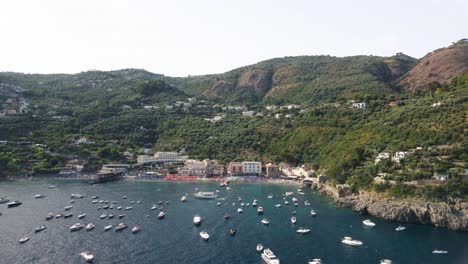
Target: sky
<point>194,37</point>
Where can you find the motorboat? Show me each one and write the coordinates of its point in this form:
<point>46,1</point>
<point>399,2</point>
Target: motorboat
<point>254,203</point>
<point>400,228</point>
<point>259,247</point>
<point>286,202</point>
<point>67,215</point>
<point>242,204</point>
<point>277,205</point>
<point>260,210</point>
<point>38,196</point>
<point>441,252</point>
<point>296,204</point>
<point>270,196</point>
<point>107,227</point>
<point>154,207</point>
<point>4,200</point>
<point>124,197</point>
<point>228,188</point>
<point>269,257</point>
<point>94,201</point>
<point>385,261</point>
<point>128,208</point>
<point>68,208</point>
<point>138,202</point>
<point>95,197</point>
<point>218,204</point>
<point>160,202</point>
<point>90,227</point>
<point>197,219</point>
<point>23,240</point>
<point>350,241</point>
<point>58,216</point>
<point>103,216</point>
<point>313,213</point>
<point>306,203</point>
<point>51,186</point>
<point>14,204</point>
<point>111,216</point>
<point>87,256</point>
<point>368,222</point>
<point>204,235</point>
<point>301,193</point>
<point>39,228</point>
<point>81,216</point>
<point>289,193</point>
<point>265,221</point>
<point>132,202</point>
<point>76,196</point>
<point>226,216</point>
<point>303,230</point>
<point>232,232</point>
<point>49,216</point>
<point>315,261</point>
<point>294,199</point>
<point>205,195</point>
<point>239,199</point>
<point>293,220</point>
<point>161,215</point>
<point>76,227</point>
<point>135,229</point>
<point>106,207</point>
<point>119,207</point>
<point>120,227</point>
<point>240,211</point>
<point>121,216</point>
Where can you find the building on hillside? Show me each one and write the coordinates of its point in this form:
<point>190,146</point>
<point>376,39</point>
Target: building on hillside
<point>271,107</point>
<point>248,113</point>
<point>303,172</point>
<point>169,157</point>
<point>399,155</point>
<point>252,168</point>
<point>382,156</point>
<point>272,170</point>
<point>234,168</point>
<point>193,168</point>
<point>144,159</point>
<point>114,168</point>
<point>359,105</point>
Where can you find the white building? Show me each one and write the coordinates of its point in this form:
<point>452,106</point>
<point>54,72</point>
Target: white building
<point>359,105</point>
<point>252,167</point>
<point>271,107</point>
<point>399,155</point>
<point>381,156</point>
<point>193,168</point>
<point>143,159</point>
<point>248,113</point>
<point>169,157</point>
<point>278,116</point>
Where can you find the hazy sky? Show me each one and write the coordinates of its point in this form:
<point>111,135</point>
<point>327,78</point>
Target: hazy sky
<point>178,38</point>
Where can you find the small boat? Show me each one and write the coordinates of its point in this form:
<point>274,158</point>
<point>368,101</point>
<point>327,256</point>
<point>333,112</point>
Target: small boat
<point>49,216</point>
<point>351,242</point>
<point>106,207</point>
<point>385,261</point>
<point>270,196</point>
<point>306,203</point>
<point>67,215</point>
<point>120,227</point>
<point>161,215</point>
<point>226,216</point>
<point>121,216</point>
<point>160,202</point>
<point>128,208</point>
<point>72,201</point>
<point>124,197</point>
<point>259,247</point>
<point>87,256</point>
<point>81,216</point>
<point>205,195</point>
<point>14,204</point>
<point>197,219</point>
<point>277,205</point>
<point>232,232</point>
<point>247,204</point>
<point>111,216</point>
<point>242,204</point>
<point>76,196</point>
<point>23,240</point>
<point>228,188</point>
<point>313,213</point>
<point>303,230</point>
<point>68,208</point>
<point>265,221</point>
<point>119,207</point>
<point>294,199</point>
<point>223,184</point>
<point>132,202</point>
<point>94,201</point>
<point>76,227</point>
<point>441,252</point>
<point>315,261</point>
<point>269,257</point>
<point>135,229</point>
<point>368,222</point>
<point>294,212</point>
<point>95,197</point>
<point>4,200</point>
<point>400,228</point>
<point>218,204</point>
<point>103,216</point>
<point>39,228</point>
<point>204,235</point>
<point>254,203</point>
<point>289,193</point>
<point>286,202</point>
<point>90,227</point>
<point>107,227</point>
<point>293,220</point>
<point>154,207</point>
<point>51,186</point>
<point>58,216</point>
<point>240,211</point>
<point>260,210</point>
<point>38,196</point>
<point>301,193</point>
<point>138,202</point>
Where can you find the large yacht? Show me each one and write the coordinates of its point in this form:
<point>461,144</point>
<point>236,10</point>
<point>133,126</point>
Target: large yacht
<point>351,242</point>
<point>303,230</point>
<point>205,195</point>
<point>269,257</point>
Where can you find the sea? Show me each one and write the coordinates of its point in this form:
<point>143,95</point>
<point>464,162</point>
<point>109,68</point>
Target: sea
<point>175,239</point>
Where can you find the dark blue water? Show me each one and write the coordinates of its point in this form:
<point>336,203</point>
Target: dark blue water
<point>176,240</point>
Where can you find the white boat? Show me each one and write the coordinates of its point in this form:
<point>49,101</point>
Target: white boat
<point>242,204</point>
<point>81,216</point>
<point>303,230</point>
<point>58,216</point>
<point>120,227</point>
<point>265,221</point>
<point>294,199</point>
<point>111,216</point>
<point>368,222</point>
<point>254,203</point>
<point>240,211</point>
<point>301,193</point>
<point>87,256</point>
<point>103,216</point>
<point>68,208</point>
<point>14,204</point>
<point>161,215</point>
<point>385,261</point>
<point>39,228</point>
<point>68,215</point>
<point>51,186</point>
<point>94,201</point>
<point>269,257</point>
<point>315,261</point>
<point>49,216</point>
<point>441,252</point>
<point>289,193</point>
<point>138,202</point>
<point>4,200</point>
<point>259,247</point>
<point>204,235</point>
<point>293,220</point>
<point>76,196</point>
<point>23,240</point>
<point>270,196</point>
<point>38,196</point>
<point>400,228</point>
<point>128,208</point>
<point>205,195</point>
<point>306,203</point>
<point>277,205</point>
<point>121,216</point>
<point>119,207</point>
<point>351,242</point>
<point>260,210</point>
<point>228,188</point>
<point>135,229</point>
<point>223,184</point>
<point>197,219</point>
<point>286,202</point>
<point>313,213</point>
<point>107,227</point>
<point>154,207</point>
<point>90,227</point>
<point>218,204</point>
<point>76,227</point>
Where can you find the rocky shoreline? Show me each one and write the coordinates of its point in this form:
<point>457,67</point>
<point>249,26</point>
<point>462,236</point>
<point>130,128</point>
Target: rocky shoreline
<point>452,214</point>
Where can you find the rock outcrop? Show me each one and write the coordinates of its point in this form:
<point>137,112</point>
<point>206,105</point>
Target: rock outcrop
<point>453,215</point>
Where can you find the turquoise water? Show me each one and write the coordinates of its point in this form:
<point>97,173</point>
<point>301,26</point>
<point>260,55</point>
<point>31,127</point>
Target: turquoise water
<point>176,240</point>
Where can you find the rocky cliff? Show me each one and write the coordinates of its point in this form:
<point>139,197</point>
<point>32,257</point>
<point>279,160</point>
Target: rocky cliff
<point>453,215</point>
